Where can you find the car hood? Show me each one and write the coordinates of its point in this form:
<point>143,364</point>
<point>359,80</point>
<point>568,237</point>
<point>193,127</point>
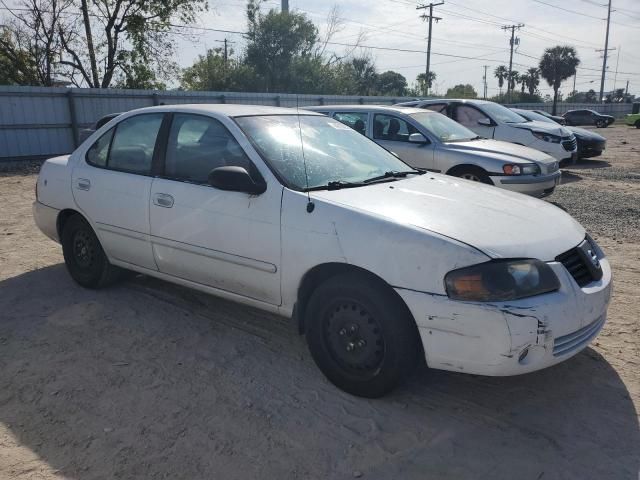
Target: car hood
<point>517,153</point>
<point>500,223</point>
<point>586,134</point>
<point>546,127</point>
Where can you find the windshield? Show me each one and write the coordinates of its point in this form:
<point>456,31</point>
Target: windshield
<point>529,115</point>
<point>333,152</point>
<point>502,114</point>
<point>443,127</point>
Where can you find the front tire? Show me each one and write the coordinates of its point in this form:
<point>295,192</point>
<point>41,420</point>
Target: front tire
<point>601,123</point>
<point>475,174</point>
<point>85,259</point>
<point>361,335</point>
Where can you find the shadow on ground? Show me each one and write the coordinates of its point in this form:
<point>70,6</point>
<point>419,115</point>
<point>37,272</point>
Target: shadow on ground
<point>148,380</point>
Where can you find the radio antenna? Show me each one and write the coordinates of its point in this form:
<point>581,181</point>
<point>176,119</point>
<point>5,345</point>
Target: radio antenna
<point>310,204</point>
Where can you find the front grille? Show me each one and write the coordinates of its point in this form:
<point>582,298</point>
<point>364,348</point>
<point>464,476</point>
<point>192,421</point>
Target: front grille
<point>569,144</point>
<point>576,265</point>
<point>578,339</point>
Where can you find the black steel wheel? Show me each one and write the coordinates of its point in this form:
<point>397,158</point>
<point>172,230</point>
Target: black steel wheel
<point>84,257</point>
<point>472,173</point>
<point>360,334</point>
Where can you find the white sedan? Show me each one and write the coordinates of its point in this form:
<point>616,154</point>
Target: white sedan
<point>298,214</point>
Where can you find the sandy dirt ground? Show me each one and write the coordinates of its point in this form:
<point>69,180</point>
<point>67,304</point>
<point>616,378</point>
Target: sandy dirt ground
<point>148,380</point>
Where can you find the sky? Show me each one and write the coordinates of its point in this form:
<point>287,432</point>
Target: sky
<point>469,28</point>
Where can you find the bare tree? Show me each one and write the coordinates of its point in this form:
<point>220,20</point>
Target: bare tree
<point>30,39</point>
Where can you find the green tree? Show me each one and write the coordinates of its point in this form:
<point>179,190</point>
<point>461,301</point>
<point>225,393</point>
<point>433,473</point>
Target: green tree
<point>211,72</point>
<point>533,80</point>
<point>425,84</point>
<point>275,40</point>
<point>391,83</point>
<point>591,96</point>
<point>556,65</point>
<point>501,73</point>
<point>462,91</point>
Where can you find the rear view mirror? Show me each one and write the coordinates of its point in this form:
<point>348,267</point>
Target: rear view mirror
<point>235,179</point>
<point>485,122</point>
<point>417,138</point>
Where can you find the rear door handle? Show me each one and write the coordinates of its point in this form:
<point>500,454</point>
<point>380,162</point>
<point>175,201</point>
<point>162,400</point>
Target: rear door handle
<point>163,200</point>
<point>83,184</point>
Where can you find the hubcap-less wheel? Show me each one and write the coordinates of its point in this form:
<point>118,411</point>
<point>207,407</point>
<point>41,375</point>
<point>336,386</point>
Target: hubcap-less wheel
<point>470,176</point>
<point>353,338</point>
<point>83,249</point>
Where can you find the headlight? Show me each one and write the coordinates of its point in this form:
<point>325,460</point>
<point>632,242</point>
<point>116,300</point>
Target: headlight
<point>547,137</point>
<point>501,280</point>
<point>521,169</point>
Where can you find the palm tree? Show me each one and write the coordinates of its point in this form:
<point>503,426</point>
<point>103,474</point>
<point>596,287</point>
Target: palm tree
<point>423,84</point>
<point>514,78</point>
<point>533,76</point>
<point>556,65</point>
<point>524,81</point>
<point>501,74</point>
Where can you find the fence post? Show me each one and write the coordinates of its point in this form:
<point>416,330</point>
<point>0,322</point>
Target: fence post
<point>74,119</point>
<point>361,101</point>
<point>155,98</point>
<point>223,98</point>
<point>321,100</point>
<point>278,100</point>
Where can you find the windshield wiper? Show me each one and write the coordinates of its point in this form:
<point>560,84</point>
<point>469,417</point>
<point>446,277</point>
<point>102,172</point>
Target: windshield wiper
<point>336,185</point>
<point>393,174</point>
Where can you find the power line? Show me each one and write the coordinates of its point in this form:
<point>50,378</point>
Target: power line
<point>568,10</point>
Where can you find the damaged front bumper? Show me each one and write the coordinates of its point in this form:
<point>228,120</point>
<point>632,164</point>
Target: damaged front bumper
<point>511,338</point>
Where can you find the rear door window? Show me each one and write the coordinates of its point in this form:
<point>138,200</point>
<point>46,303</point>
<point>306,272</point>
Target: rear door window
<point>469,116</point>
<point>134,142</point>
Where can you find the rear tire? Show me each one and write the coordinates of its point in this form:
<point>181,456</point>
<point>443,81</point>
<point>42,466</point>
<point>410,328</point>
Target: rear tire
<point>361,335</point>
<point>601,123</point>
<point>637,123</point>
<point>475,174</point>
<point>85,259</point>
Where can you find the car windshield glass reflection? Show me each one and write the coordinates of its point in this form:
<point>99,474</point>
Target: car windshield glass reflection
<point>443,127</point>
<point>502,114</point>
<point>333,153</point>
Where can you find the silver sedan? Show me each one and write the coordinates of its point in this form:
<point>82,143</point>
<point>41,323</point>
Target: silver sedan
<point>430,140</point>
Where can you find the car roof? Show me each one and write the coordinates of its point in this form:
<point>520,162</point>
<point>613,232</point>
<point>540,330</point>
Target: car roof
<point>226,109</point>
<point>368,108</point>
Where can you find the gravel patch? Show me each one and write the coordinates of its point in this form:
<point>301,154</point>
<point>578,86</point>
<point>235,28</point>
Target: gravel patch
<point>612,214</point>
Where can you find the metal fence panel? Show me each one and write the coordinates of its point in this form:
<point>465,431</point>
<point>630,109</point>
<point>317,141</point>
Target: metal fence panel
<point>41,121</point>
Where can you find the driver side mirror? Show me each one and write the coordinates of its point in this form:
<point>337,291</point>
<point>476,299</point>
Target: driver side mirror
<point>235,179</point>
<point>418,138</point>
<point>485,122</point>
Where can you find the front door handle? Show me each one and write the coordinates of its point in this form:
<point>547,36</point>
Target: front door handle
<point>83,184</point>
<point>163,200</point>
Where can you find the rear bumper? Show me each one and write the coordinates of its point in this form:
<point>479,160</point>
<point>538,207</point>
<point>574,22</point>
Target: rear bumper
<point>46,219</point>
<point>534,185</point>
<point>511,338</point>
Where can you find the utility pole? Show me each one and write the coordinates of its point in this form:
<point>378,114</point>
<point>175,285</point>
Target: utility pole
<point>626,91</point>
<point>514,40</point>
<point>484,79</point>
<point>429,17</point>
<point>574,81</point>
<point>285,6</point>
<point>606,50</point>
<point>226,54</point>
<point>615,76</point>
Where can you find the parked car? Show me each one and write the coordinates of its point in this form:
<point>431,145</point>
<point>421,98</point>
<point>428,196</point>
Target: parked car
<point>590,144</point>
<point>430,140</point>
<point>87,132</point>
<point>492,120</point>
<point>632,119</point>
<point>555,118</point>
<point>588,117</point>
<point>299,215</point>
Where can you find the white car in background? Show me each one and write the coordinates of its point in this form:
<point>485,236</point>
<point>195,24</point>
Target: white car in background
<point>430,140</point>
<point>299,215</point>
<point>492,120</point>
